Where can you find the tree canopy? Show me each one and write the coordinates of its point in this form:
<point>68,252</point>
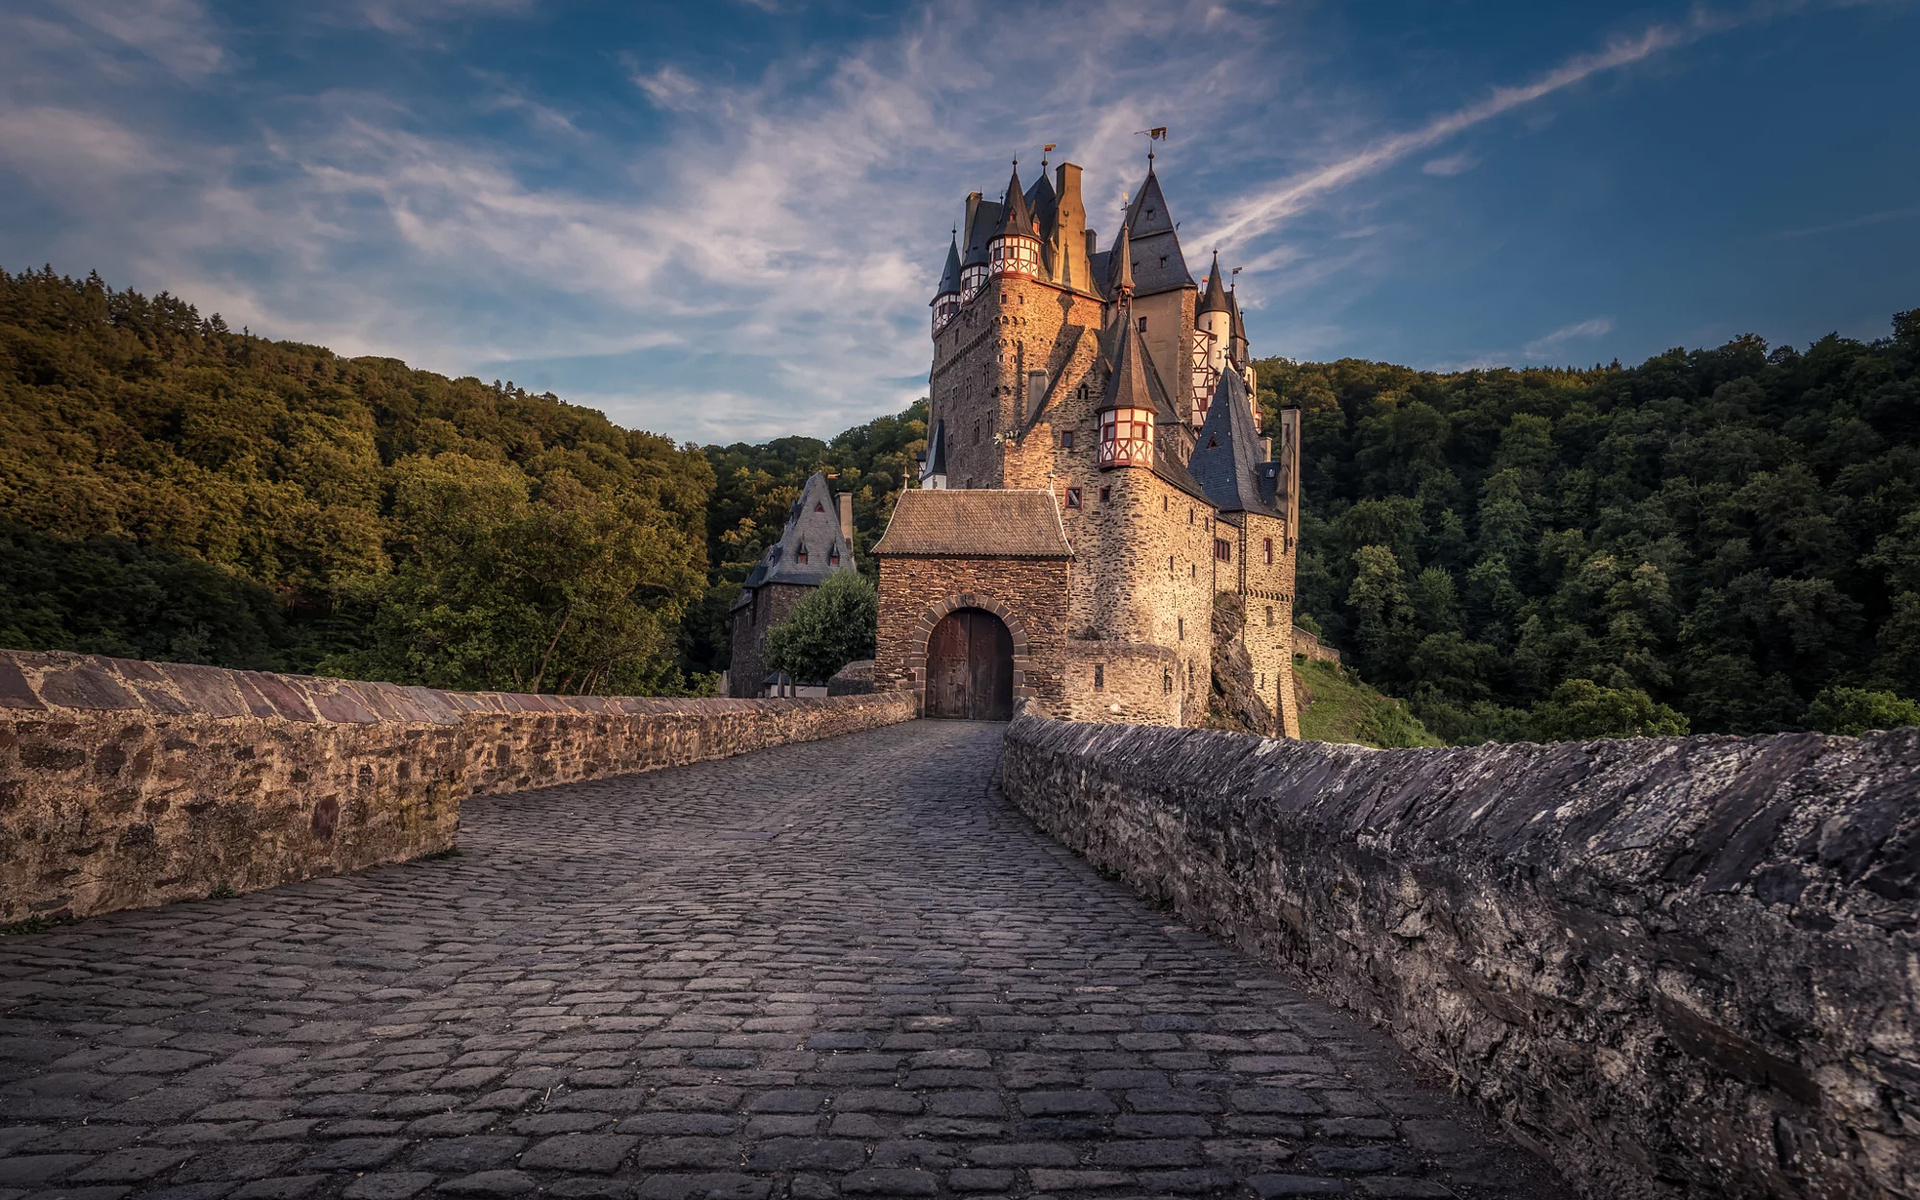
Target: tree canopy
<point>1709,540</point>
<point>178,490</point>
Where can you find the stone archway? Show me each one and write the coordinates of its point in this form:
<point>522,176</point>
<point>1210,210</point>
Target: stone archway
<point>933,615</point>
<point>970,667</point>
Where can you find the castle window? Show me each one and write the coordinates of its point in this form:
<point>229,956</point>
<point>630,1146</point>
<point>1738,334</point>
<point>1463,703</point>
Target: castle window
<point>1189,514</point>
<point>1126,437</point>
<point>1073,497</point>
<point>1169,564</point>
<point>1166,682</point>
<point>1193,570</point>
<point>976,435</point>
<point>817,507</point>
<point>1106,494</point>
<point>1223,550</point>
<point>1066,438</point>
<point>833,557</point>
<point>1269,616</point>
<point>800,555</point>
<point>1099,676</point>
<point>1143,324</point>
<point>1181,626</point>
<point>1266,550</point>
<point>1081,392</point>
<point>1189,676</point>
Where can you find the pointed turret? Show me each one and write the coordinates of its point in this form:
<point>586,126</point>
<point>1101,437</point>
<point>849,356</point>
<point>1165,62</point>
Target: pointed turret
<point>1215,299</point>
<point>1123,268</point>
<point>950,275</point>
<point>1127,409</point>
<point>1015,249</point>
<point>1017,218</point>
<point>947,300</point>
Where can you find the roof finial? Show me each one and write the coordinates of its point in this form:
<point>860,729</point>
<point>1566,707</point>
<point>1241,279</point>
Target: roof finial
<point>1157,134</point>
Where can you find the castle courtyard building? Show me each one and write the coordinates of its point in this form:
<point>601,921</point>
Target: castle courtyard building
<point>816,542</point>
<point>1096,476</point>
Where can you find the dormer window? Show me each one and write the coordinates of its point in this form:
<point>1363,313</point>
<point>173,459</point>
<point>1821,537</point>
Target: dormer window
<point>800,554</point>
<point>818,507</point>
<point>833,557</point>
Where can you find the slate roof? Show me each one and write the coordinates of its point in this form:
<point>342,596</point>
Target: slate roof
<point>976,523</point>
<point>1018,218</point>
<point>813,523</point>
<point>937,449</point>
<point>986,221</point>
<point>1216,298</point>
<point>950,277</point>
<point>1158,265</point>
<point>1227,457</point>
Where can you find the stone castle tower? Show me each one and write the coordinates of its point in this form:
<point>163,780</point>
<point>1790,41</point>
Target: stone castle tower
<point>1096,473</point>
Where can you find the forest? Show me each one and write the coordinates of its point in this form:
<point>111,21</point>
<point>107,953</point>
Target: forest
<point>1721,540</point>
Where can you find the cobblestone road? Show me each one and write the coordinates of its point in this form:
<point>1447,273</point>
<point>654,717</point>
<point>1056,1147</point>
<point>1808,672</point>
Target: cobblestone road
<point>841,968</point>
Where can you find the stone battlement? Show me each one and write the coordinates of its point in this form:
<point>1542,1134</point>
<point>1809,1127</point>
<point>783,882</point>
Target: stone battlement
<point>1676,967</point>
<point>125,784</point>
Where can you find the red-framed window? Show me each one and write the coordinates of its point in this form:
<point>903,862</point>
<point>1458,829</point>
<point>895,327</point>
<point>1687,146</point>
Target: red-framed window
<point>1266,550</point>
<point>1073,497</point>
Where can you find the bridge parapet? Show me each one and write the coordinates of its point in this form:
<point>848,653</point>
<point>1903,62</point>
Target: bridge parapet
<point>1675,967</point>
<point>125,783</point>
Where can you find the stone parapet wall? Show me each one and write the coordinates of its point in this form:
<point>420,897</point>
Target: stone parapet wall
<point>1681,967</point>
<point>125,784</point>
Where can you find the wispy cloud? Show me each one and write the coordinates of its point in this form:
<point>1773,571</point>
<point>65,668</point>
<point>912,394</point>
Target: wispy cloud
<point>1263,210</point>
<point>1592,327</point>
<point>1872,218</point>
<point>175,33</point>
<point>1452,164</point>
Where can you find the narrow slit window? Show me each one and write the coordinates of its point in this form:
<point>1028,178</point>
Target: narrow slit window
<point>1099,676</point>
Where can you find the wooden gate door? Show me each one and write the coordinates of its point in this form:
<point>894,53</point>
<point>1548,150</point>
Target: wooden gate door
<point>970,667</point>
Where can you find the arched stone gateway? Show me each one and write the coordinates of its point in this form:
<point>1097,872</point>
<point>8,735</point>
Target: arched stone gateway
<point>970,667</point>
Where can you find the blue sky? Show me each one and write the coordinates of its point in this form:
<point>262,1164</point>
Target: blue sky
<point>723,220</point>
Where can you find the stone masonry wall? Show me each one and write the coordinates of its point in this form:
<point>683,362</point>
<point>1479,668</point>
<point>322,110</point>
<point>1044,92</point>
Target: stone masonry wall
<point>125,784</point>
<point>1678,967</point>
<point>1029,594</point>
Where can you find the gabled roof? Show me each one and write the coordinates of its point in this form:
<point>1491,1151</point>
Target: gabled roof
<point>975,523</point>
<point>1216,298</point>
<point>813,524</point>
<point>1158,265</point>
<point>950,276</point>
<point>1226,458</point>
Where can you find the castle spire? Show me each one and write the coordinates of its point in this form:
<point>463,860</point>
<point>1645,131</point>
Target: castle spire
<point>1019,218</point>
<point>950,277</point>
<point>1216,298</point>
<point>1123,273</point>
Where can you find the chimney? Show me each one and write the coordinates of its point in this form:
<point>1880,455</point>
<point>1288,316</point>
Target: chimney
<point>846,519</point>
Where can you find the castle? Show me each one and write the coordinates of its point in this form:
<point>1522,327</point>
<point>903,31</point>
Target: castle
<point>1095,475</point>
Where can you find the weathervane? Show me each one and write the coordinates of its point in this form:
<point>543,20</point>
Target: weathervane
<point>1157,134</point>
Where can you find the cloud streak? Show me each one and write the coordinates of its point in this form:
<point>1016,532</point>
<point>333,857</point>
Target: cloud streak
<point>1263,211</point>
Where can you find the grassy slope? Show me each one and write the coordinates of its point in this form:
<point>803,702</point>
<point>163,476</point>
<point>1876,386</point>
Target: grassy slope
<point>1347,710</point>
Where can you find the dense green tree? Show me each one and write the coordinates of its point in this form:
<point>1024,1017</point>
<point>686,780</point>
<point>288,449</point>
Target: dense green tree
<point>191,493</point>
<point>1728,532</point>
<point>1581,708</point>
<point>837,623</point>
